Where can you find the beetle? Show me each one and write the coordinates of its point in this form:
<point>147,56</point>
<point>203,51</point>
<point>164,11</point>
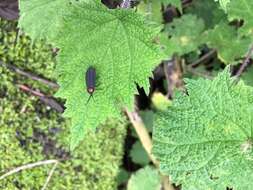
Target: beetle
<point>90,81</point>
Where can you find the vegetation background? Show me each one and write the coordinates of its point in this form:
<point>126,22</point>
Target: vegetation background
<point>32,128</point>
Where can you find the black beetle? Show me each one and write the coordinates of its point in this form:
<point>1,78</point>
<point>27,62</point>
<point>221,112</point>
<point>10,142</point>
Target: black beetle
<point>90,81</point>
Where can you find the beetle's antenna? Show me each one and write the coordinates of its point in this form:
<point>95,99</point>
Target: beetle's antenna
<point>91,96</point>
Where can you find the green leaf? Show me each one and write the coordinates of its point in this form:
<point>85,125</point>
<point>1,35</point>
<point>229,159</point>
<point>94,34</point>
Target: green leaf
<point>43,18</point>
<point>42,28</point>
<point>175,3</point>
<point>152,9</point>
<point>138,154</point>
<point>231,47</point>
<point>209,11</point>
<point>224,4</point>
<point>147,118</point>
<point>185,33</point>
<point>160,101</point>
<point>204,140</point>
<point>247,76</point>
<point>117,43</point>
<point>123,176</point>
<point>147,178</point>
<point>242,10</point>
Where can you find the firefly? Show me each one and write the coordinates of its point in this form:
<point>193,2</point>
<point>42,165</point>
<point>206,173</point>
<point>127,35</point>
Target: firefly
<point>90,81</point>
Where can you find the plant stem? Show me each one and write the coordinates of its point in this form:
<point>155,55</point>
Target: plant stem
<point>245,62</point>
<point>142,133</point>
<point>146,142</point>
<point>203,58</point>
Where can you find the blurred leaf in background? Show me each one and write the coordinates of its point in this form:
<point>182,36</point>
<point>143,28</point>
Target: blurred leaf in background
<point>147,178</point>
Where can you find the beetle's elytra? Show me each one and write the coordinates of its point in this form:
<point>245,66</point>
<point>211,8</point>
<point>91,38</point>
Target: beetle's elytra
<point>90,81</point>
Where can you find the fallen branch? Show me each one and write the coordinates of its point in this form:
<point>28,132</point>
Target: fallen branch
<point>30,75</point>
<point>28,166</point>
<point>45,99</point>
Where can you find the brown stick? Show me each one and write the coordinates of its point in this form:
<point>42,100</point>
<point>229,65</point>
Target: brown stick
<point>245,62</point>
<point>30,75</point>
<point>203,58</point>
<point>173,74</point>
<point>45,99</point>
<point>169,70</point>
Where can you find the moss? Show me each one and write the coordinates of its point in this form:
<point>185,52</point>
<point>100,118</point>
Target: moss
<point>31,131</point>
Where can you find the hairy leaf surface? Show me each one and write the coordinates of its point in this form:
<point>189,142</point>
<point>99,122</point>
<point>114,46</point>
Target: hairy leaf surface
<point>42,19</point>
<point>117,43</point>
<point>204,140</point>
<point>223,4</point>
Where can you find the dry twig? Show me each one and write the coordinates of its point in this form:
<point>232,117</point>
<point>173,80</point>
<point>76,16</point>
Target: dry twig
<point>30,75</point>
<point>28,166</point>
<point>51,102</point>
<point>204,58</point>
<point>173,73</point>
